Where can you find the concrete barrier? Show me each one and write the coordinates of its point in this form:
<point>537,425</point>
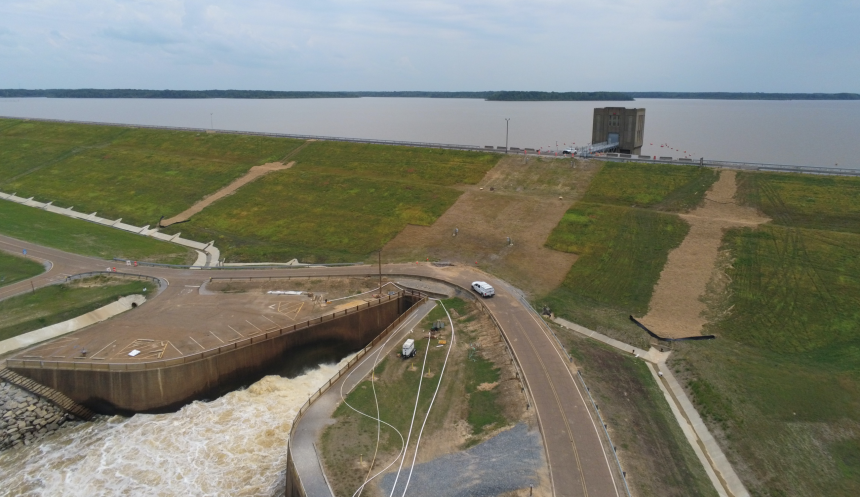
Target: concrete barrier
<point>207,254</point>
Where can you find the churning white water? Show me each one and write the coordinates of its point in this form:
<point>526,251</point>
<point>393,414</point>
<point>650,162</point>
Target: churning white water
<point>232,446</point>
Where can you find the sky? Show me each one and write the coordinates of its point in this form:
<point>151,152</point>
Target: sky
<point>448,45</point>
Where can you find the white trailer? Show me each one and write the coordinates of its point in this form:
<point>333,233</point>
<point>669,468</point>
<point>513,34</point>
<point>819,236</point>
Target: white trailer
<point>408,348</point>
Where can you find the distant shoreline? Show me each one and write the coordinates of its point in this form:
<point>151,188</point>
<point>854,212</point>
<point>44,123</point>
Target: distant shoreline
<point>493,96</point>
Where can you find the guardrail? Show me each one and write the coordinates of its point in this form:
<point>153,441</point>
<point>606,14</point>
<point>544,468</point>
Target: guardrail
<point>267,334</point>
<point>749,166</point>
<point>606,431</point>
<point>291,470</point>
<point>476,148</point>
<point>79,276</point>
<point>300,265</point>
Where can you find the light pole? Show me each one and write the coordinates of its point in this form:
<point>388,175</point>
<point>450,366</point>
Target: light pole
<point>507,127</point>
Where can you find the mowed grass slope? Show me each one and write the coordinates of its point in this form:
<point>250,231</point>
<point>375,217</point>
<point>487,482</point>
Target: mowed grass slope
<point>781,384</point>
<point>622,249</point>
<point>339,203</point>
<point>804,200</point>
<point>85,238</point>
<point>664,187</point>
<point>15,268</point>
<point>136,174</point>
<point>56,303</point>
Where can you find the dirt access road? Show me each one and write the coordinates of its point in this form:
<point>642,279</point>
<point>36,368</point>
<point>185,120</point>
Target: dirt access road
<point>579,466</point>
<point>676,309</point>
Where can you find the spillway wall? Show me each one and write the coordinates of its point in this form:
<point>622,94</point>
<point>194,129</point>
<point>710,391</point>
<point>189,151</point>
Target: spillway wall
<point>163,386</point>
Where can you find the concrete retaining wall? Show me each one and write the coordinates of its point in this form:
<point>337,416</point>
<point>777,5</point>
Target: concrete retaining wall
<point>167,385</point>
<point>207,254</point>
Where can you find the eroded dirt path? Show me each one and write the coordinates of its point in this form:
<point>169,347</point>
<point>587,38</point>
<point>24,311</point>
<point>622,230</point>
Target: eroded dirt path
<point>523,200</point>
<point>254,173</point>
<point>676,307</point>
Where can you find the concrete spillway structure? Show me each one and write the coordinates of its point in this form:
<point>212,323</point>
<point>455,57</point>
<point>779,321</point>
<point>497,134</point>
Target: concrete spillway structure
<point>166,385</point>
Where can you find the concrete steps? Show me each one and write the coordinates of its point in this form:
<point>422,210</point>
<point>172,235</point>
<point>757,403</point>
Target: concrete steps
<point>46,393</point>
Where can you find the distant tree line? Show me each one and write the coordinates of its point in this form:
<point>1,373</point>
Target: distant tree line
<point>744,96</point>
<point>538,96</point>
<point>95,93</point>
<point>497,96</point>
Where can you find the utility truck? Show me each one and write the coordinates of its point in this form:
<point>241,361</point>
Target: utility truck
<point>408,349</point>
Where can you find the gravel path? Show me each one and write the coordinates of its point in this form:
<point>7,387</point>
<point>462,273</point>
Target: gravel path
<point>506,462</point>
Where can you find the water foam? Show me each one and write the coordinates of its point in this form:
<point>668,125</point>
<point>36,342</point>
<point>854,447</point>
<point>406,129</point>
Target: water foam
<point>235,445</point>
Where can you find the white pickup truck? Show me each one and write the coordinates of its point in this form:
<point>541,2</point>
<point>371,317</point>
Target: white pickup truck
<point>483,288</point>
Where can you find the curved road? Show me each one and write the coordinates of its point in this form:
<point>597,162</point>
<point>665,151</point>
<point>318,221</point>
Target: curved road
<point>578,462</point>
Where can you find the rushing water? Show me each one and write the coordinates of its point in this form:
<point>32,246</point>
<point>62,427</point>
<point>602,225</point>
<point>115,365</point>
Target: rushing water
<point>232,446</point>
<point>812,133</point>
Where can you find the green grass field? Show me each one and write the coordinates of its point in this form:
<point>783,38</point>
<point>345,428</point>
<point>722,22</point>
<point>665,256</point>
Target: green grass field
<point>56,303</point>
<point>781,384</point>
<point>136,174</point>
<point>15,268</point>
<point>803,200</point>
<point>339,203</point>
<point>81,237</point>
<point>662,187</point>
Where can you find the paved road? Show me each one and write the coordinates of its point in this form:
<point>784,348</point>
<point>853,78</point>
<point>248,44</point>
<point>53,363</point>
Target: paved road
<point>578,463</point>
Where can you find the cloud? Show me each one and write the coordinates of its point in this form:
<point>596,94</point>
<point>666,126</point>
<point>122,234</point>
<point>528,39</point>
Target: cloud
<point>768,45</point>
<point>141,35</point>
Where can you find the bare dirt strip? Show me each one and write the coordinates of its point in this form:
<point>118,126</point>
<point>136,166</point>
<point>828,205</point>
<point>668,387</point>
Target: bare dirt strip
<point>524,200</point>
<point>254,173</point>
<point>676,308</point>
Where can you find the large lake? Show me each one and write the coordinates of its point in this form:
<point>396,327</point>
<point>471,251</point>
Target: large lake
<point>811,133</point>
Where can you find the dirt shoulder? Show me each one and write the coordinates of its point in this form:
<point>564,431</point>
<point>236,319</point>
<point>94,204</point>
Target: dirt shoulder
<point>677,307</point>
<point>519,198</point>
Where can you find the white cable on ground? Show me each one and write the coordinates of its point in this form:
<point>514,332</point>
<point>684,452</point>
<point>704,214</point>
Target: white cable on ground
<point>343,397</point>
<point>378,418</point>
<point>377,289</point>
<point>402,457</point>
<point>378,427</point>
<point>441,374</point>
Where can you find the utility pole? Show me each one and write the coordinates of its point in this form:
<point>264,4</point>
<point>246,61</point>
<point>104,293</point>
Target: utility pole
<point>507,126</point>
<point>380,273</point>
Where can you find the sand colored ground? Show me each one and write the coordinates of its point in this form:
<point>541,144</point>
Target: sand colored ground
<point>254,173</point>
<point>524,203</point>
<point>676,308</point>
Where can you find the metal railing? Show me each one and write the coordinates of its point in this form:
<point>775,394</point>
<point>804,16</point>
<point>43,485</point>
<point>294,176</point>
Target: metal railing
<point>268,334</point>
<point>291,469</point>
<point>89,274</point>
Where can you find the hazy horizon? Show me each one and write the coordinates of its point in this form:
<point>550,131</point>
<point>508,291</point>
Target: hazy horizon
<point>798,46</point>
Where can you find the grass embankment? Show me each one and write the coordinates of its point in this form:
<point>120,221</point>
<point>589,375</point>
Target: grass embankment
<point>470,395</point>
<point>136,174</point>
<point>339,203</point>
<point>57,303</point>
<point>85,238</point>
<point>651,446</point>
<point>14,268</point>
<point>622,249</point>
<point>781,385</point>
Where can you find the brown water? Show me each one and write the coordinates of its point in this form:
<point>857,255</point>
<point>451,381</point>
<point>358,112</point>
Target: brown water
<point>232,446</point>
<point>811,133</point>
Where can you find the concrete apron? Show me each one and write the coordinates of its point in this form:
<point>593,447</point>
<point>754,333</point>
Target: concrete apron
<point>74,324</point>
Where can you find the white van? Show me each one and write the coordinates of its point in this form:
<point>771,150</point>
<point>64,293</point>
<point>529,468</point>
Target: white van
<point>484,289</point>
<point>408,348</point>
